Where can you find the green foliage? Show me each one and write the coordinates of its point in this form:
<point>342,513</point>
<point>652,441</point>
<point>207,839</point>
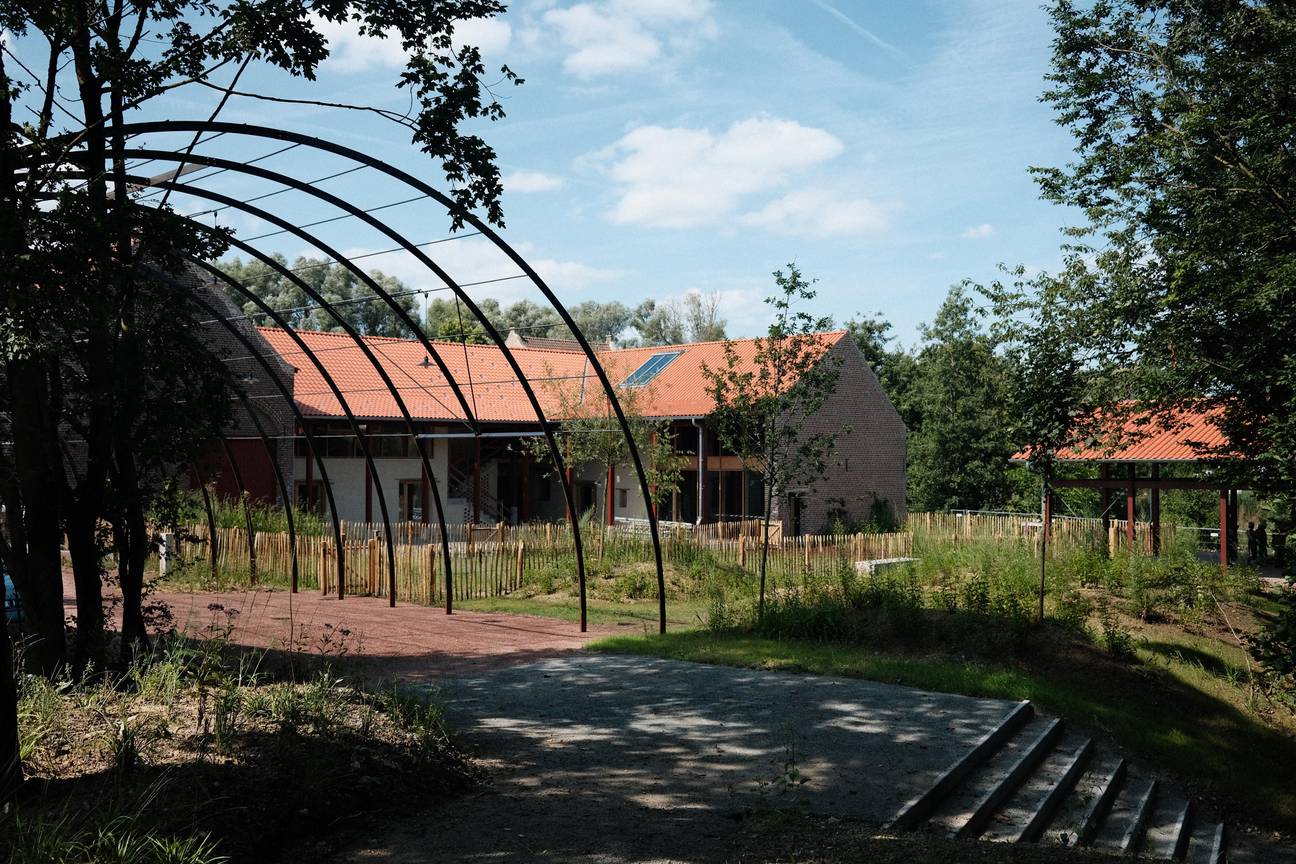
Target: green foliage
<point>958,454</point>
<point>116,835</point>
<point>354,299</point>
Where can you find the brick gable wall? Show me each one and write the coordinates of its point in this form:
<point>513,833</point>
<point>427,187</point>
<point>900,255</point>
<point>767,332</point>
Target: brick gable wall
<point>869,459</point>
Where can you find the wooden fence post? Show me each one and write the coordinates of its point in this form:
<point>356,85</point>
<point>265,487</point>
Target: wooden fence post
<point>372,556</point>
<point>742,550</point>
<point>521,556</point>
<point>431,573</point>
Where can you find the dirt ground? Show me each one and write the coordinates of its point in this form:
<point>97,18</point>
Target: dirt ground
<point>412,643</point>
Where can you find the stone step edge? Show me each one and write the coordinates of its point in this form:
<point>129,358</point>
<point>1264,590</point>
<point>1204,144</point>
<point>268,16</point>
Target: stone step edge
<point>1047,806</point>
<point>1130,842</point>
<point>1101,804</point>
<point>919,808</point>
<point>1030,758</point>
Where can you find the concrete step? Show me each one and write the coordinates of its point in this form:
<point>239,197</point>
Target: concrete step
<point>1122,831</point>
<point>1206,842</point>
<point>1083,811</point>
<point>967,809</point>
<point>1168,828</point>
<point>913,812</point>
<point>1024,816</point>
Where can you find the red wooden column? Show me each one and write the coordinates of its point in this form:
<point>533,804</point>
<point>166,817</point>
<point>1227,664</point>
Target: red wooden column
<point>1224,528</point>
<point>310,480</point>
<point>611,478</point>
<point>1130,500</point>
<point>1103,474</point>
<point>368,493</point>
<point>476,480</point>
<point>425,491</point>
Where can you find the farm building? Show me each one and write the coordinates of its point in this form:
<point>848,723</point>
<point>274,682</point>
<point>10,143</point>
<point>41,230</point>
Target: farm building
<point>490,476</point>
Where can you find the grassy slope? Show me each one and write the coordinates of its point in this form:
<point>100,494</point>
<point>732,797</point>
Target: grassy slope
<point>1161,714</point>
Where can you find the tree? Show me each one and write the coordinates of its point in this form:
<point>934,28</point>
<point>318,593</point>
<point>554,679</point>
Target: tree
<point>87,268</point>
<point>1184,116</point>
<point>702,317</point>
<point>353,300</point>
<point>959,452</point>
<point>531,319</point>
<point>601,322</point>
<point>658,323</point>
<point>451,320</point>
<point>763,403</point>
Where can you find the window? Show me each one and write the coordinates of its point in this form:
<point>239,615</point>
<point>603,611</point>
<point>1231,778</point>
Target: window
<point>650,369</point>
<point>621,499</point>
<point>411,500</point>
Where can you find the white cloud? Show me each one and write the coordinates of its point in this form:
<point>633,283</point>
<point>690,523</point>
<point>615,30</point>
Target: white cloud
<point>818,212</point>
<point>491,35</point>
<point>936,256</point>
<point>530,181</point>
<point>352,51</point>
<point>979,232</point>
<point>614,36</point>
<point>684,178</point>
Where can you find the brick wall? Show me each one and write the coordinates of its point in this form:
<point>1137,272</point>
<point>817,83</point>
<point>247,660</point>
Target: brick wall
<point>869,459</point>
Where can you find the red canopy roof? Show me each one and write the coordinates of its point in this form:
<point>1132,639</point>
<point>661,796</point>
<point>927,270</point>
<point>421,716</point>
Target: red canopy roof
<point>1177,436</point>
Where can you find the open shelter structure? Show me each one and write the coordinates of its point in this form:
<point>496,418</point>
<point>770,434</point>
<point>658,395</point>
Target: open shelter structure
<point>1156,453</point>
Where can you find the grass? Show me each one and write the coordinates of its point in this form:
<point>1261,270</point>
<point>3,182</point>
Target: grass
<point>1168,710</point>
<point>133,767</point>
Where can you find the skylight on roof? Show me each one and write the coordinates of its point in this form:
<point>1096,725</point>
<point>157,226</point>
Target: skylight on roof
<point>650,369</point>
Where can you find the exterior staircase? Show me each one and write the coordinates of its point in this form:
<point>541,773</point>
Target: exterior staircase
<point>1031,780</point>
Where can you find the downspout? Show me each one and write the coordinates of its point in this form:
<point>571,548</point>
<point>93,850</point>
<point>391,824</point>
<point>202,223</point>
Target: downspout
<point>701,472</point>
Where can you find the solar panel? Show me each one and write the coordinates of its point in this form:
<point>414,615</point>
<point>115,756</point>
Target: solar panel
<point>650,369</point>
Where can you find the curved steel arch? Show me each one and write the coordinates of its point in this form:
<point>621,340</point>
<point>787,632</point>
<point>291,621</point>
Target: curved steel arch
<point>361,438</point>
<point>279,481</point>
<point>287,395</point>
<point>233,203</point>
<point>554,450</point>
<point>459,213</point>
<point>324,304</point>
<point>467,216</point>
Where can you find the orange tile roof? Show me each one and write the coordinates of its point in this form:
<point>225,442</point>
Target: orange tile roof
<point>678,391</point>
<point>1180,436</point>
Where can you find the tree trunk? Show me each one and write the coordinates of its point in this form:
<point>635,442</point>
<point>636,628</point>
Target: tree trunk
<point>769,505</point>
<point>87,575</point>
<point>134,632</point>
<point>31,500</point>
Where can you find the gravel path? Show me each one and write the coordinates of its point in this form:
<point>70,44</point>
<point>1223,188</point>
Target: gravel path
<point>608,758</point>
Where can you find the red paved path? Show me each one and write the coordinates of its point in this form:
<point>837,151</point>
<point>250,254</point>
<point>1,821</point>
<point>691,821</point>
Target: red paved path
<point>414,643</point>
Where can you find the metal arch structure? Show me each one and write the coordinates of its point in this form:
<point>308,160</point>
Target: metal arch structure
<point>287,395</point>
<point>283,324</point>
<point>293,183</point>
<point>233,203</point>
<point>462,216</point>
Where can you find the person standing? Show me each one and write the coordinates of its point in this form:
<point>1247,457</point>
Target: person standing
<point>1262,543</point>
<point>1251,541</point>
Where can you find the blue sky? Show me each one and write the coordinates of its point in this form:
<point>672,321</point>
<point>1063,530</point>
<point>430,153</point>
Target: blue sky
<point>664,146</point>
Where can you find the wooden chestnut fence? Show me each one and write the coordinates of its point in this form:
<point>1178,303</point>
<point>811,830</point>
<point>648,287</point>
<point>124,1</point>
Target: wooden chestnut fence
<point>495,560</point>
